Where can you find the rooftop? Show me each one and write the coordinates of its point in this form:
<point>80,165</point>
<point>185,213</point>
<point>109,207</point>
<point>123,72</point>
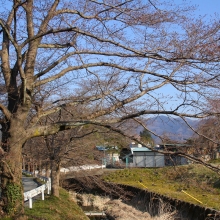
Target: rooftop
<point>139,149</point>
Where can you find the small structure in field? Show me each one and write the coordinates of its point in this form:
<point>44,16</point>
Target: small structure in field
<point>175,159</point>
<point>110,155</point>
<point>144,157</point>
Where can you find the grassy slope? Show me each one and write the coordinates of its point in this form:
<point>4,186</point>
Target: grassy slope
<point>53,208</point>
<point>196,180</point>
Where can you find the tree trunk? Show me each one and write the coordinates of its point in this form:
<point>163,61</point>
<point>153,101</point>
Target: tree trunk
<point>33,167</point>
<point>47,171</point>
<point>12,198</point>
<point>23,163</point>
<point>11,181</point>
<point>29,168</point>
<point>55,177</point>
<point>39,168</point>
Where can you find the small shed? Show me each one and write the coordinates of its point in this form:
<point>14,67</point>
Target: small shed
<point>112,158</point>
<point>144,157</point>
<point>171,160</point>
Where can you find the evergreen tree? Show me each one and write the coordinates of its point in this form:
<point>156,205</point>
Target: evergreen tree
<point>146,137</point>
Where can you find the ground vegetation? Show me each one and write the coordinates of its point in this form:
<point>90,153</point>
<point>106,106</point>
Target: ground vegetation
<point>111,57</point>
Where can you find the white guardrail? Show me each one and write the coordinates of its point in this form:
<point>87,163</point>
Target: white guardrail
<point>83,167</point>
<point>47,186</point>
<point>39,190</point>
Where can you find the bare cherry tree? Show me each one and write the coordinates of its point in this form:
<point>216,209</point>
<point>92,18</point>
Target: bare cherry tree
<point>206,139</point>
<point>73,147</point>
<point>113,56</point>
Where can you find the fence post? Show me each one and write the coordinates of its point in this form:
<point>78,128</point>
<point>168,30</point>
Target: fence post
<point>30,194</point>
<point>48,185</point>
<point>30,202</point>
<point>42,194</point>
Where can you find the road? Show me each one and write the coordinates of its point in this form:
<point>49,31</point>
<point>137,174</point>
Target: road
<point>29,184</point>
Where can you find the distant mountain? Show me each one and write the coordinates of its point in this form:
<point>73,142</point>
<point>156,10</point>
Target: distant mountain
<point>173,128</point>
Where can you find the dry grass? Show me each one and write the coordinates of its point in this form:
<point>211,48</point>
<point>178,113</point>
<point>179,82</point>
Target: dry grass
<point>119,210</point>
<point>98,202</point>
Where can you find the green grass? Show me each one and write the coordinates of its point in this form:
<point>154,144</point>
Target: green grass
<point>53,208</point>
<point>196,180</point>
<point>27,175</point>
<point>215,161</point>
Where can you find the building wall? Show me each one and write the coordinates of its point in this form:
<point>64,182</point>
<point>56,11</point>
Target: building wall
<point>174,160</point>
<point>148,159</point>
<point>112,158</point>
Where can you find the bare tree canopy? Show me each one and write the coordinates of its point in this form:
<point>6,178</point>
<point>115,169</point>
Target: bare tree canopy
<point>102,62</point>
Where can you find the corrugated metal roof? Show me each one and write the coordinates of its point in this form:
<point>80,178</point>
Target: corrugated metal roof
<point>177,145</point>
<point>139,149</point>
<point>101,148</point>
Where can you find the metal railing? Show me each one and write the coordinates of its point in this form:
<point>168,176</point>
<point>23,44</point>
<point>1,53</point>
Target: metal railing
<point>39,190</point>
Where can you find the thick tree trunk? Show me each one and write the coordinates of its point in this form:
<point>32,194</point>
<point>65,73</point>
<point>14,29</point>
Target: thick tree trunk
<point>12,202</point>
<point>11,182</point>
<point>55,177</point>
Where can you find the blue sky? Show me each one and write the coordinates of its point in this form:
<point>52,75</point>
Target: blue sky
<point>205,7</point>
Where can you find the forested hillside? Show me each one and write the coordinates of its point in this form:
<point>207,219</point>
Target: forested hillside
<point>173,128</point>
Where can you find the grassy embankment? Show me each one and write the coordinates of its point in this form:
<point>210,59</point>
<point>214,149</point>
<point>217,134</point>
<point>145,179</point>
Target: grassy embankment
<point>53,208</point>
<point>196,180</point>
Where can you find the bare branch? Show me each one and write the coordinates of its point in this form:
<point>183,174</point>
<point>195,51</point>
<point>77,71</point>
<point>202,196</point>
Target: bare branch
<point>6,30</point>
<point>54,128</point>
<point>5,111</point>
